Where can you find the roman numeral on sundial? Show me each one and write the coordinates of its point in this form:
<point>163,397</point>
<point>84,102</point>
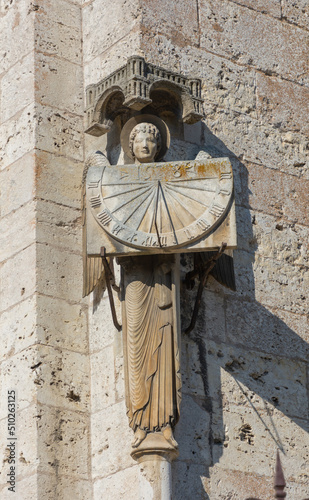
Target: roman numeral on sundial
<point>95,201</point>
<point>216,210</point>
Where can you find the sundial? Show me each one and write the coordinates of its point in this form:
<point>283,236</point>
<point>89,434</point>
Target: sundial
<point>155,207</point>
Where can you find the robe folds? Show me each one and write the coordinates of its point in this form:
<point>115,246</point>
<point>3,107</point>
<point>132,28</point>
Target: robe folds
<point>151,345</point>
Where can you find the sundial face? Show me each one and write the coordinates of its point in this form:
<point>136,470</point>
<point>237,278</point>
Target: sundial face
<point>161,205</point>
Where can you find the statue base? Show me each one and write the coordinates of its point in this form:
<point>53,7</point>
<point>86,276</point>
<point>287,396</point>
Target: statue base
<point>154,447</point>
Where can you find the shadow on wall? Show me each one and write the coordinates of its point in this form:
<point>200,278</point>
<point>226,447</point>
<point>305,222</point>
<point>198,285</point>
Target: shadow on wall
<point>244,372</point>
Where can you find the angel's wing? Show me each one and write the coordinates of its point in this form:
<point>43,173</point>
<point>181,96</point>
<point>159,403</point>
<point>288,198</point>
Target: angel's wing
<point>93,269</point>
<point>223,271</point>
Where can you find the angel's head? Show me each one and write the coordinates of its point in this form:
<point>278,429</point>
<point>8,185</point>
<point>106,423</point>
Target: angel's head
<point>145,142</point>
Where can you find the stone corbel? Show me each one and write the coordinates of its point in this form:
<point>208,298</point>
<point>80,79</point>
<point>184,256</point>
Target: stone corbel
<point>131,87</point>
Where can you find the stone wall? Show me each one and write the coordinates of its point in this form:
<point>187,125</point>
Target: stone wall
<point>245,384</point>
<point>44,341</point>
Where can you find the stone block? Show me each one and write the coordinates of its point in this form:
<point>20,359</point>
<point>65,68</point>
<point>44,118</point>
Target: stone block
<point>282,104</point>
<point>296,12</point>
<point>60,83</point>
<point>44,374</point>
<point>252,438</point>
<point>18,327</point>
<point>277,194</point>
<point>59,273</point>
<point>59,179</point>
<point>101,326</point>
<point>182,31</point>
<point>111,441</point>
<point>17,31</point>
<point>62,324</point>
<point>270,330</point>
<point>59,132</point>
<point>59,225</point>
<point>17,136</point>
<point>254,39</point>
<point>14,191</point>
<point>192,432</point>
<point>234,485</point>
<point>58,30</point>
<point>237,134</point>
<point>17,277</point>
<point>251,378</point>
<point>17,231</point>
<point>100,35</point>
<point>116,485</point>
<point>277,283</point>
<point>281,239</point>
<point>97,68</point>
<point>17,87</point>
<point>62,442</point>
<point>191,372</point>
<point>187,481</point>
<point>224,83</point>
<point>103,379</point>
<point>271,7</point>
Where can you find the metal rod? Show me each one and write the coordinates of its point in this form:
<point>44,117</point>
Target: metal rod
<point>210,264</point>
<point>108,275</point>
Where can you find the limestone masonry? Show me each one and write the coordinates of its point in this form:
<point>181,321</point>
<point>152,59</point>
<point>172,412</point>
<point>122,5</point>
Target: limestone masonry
<point>244,366</point>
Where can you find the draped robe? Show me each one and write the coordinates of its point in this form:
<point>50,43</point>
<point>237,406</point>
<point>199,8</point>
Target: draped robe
<point>151,344</point>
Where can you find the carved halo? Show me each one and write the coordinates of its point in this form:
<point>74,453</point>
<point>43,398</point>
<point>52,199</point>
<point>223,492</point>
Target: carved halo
<point>155,120</point>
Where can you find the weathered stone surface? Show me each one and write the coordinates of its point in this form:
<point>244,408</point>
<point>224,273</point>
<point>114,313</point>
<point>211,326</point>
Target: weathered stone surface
<point>17,230</point>
<point>282,103</point>
<point>18,96</point>
<point>21,268</point>
<point>191,373</point>
<point>117,485</point>
<point>17,136</point>
<point>60,83</point>
<point>284,151</point>
<point>254,39</point>
<point>258,379</point>
<point>18,327</point>
<point>251,439</point>
<point>57,275</point>
<point>62,324</point>
<point>296,12</point>
<point>272,331</point>
<point>59,179</point>
<point>271,7</point>
<point>285,240</point>
<point>188,481</point>
<point>17,25</point>
<point>48,375</point>
<point>15,192</point>
<point>57,31</point>
<point>184,29</point>
<point>111,438</point>
<point>59,132</point>
<point>234,485</point>
<point>277,194</point>
<point>59,225</point>
<point>103,387</point>
<point>192,435</point>
<point>101,324</point>
<point>111,59</point>
<point>96,42</point>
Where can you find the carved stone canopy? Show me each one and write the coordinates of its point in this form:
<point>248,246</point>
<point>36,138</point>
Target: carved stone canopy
<point>135,86</point>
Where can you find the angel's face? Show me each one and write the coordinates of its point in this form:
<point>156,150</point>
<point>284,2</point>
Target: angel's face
<point>145,147</point>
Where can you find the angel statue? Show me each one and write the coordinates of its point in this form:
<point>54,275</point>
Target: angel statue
<point>146,213</point>
<point>149,296</point>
